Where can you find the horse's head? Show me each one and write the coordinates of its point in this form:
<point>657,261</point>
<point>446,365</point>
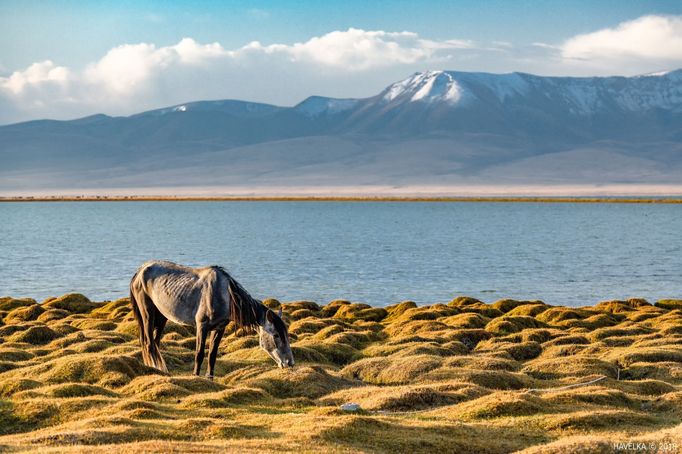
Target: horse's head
<point>274,339</point>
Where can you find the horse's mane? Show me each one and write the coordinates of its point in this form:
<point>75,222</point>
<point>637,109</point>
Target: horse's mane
<point>246,311</point>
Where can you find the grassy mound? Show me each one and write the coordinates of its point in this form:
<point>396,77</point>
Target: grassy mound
<point>304,381</point>
<point>24,314</point>
<point>228,398</point>
<point>73,303</point>
<point>465,377</point>
<point>669,304</point>
<point>501,403</point>
<point>7,303</point>
<point>405,398</point>
<point>553,368</point>
<point>35,335</point>
<point>384,370</point>
<point>110,371</point>
<point>360,312</point>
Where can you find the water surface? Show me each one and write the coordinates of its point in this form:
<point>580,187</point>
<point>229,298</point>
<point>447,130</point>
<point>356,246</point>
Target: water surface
<point>374,252</point>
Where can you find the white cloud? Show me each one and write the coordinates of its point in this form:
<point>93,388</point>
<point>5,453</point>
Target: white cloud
<point>44,72</point>
<point>126,69</point>
<point>132,77</point>
<point>650,40</point>
<point>123,68</point>
<point>359,50</point>
<point>352,63</point>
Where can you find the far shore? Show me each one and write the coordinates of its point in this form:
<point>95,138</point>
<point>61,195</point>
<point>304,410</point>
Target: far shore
<point>502,199</point>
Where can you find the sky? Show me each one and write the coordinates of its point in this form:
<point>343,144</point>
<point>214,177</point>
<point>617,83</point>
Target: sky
<point>67,59</point>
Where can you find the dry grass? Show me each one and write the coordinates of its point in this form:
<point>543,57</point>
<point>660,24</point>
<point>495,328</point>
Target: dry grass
<point>449,378</point>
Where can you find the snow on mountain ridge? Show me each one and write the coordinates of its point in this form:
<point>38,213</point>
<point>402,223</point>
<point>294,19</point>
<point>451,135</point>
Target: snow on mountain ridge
<point>454,87</point>
<point>579,95</point>
<point>438,86</point>
<point>316,105</point>
<point>429,87</point>
<point>230,106</point>
<point>449,90</point>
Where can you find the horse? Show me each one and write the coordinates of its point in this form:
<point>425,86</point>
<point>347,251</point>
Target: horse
<point>206,298</point>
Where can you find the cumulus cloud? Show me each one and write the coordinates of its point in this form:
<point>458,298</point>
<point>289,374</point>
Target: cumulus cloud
<point>358,50</point>
<point>351,63</point>
<point>132,77</point>
<point>125,68</point>
<point>45,72</point>
<point>647,41</point>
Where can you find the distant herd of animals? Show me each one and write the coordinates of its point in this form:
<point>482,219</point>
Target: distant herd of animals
<point>208,299</point>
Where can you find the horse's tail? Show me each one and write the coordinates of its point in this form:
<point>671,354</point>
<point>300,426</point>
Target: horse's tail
<point>144,342</point>
<point>151,355</point>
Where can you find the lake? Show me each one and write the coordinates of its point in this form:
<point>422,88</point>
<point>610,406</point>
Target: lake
<point>374,252</point>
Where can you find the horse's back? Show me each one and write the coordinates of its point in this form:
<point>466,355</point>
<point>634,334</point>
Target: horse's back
<point>158,267</point>
<point>175,290</point>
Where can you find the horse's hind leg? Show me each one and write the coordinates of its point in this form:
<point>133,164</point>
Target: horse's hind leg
<point>159,325</point>
<point>202,331</point>
<point>216,337</point>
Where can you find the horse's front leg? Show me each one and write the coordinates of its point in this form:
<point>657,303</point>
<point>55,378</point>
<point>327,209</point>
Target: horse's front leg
<point>202,331</point>
<point>216,337</point>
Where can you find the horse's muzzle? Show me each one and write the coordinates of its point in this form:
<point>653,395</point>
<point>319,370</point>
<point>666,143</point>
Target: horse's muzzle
<point>286,363</point>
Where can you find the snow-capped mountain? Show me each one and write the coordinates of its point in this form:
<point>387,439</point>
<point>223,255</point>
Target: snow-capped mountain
<point>319,105</point>
<point>434,127</point>
<point>577,95</point>
<point>429,87</point>
<point>561,107</point>
<point>225,106</point>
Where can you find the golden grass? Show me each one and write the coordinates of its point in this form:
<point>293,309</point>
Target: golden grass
<point>462,377</point>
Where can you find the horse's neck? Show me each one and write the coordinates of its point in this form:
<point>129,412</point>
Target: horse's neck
<point>260,309</point>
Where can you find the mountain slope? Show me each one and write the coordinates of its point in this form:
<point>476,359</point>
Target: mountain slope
<point>436,127</point>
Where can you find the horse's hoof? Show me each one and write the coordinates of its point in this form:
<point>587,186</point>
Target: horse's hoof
<point>210,377</point>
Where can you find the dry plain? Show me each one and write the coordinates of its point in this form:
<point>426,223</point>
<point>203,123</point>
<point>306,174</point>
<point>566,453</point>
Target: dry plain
<point>459,377</point>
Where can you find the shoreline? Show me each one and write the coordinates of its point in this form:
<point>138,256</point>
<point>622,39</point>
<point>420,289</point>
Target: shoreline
<point>469,199</point>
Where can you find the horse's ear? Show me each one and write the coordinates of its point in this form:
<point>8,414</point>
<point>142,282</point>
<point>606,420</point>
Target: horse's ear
<point>280,312</point>
<point>268,316</point>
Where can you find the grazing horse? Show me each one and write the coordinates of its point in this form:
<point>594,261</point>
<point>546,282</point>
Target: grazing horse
<point>208,299</point>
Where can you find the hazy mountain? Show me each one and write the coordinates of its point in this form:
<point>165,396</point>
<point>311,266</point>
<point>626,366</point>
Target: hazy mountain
<point>433,128</point>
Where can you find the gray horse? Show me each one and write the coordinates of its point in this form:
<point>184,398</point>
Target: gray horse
<point>208,299</point>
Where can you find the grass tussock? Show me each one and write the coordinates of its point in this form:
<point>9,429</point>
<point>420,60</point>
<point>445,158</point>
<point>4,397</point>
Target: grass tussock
<point>501,403</point>
<point>73,303</point>
<point>7,303</point>
<point>386,370</point>
<point>34,335</point>
<point>24,314</point>
<point>403,398</point>
<point>71,377</point>
<point>669,304</point>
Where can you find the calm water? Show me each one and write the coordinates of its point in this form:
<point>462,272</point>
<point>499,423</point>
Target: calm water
<point>379,253</point>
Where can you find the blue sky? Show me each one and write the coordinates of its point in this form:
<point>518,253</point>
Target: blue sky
<point>62,59</point>
<point>74,32</point>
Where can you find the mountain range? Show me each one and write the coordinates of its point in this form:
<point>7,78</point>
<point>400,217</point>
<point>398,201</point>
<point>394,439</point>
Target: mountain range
<point>433,129</point>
